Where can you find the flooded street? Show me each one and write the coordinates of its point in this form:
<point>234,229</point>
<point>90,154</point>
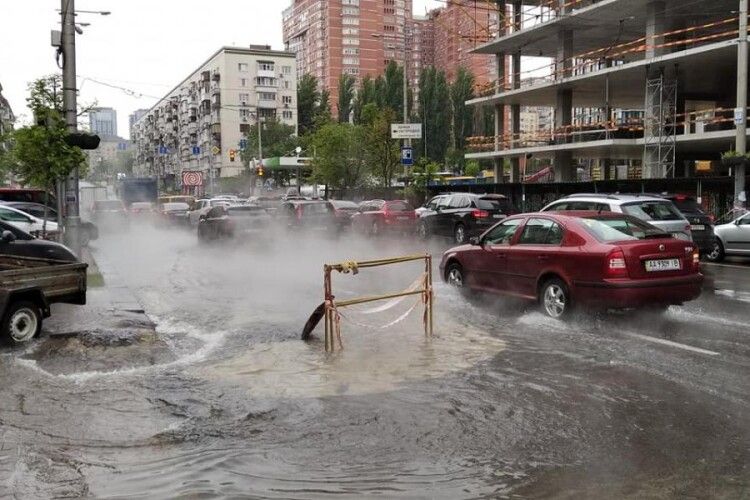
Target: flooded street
<point>224,400</point>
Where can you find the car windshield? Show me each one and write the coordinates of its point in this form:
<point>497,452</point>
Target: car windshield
<point>108,205</point>
<point>398,206</point>
<point>171,207</point>
<point>610,229</point>
<point>687,204</point>
<point>652,210</point>
<point>492,203</point>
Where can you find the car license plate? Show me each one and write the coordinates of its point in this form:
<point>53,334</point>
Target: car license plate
<point>697,227</point>
<point>663,265</point>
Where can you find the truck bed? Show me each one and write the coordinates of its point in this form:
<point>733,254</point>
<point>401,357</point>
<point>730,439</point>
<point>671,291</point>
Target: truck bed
<point>59,281</point>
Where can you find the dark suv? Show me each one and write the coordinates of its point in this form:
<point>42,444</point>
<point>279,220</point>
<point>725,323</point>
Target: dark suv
<point>462,215</point>
<point>701,224</point>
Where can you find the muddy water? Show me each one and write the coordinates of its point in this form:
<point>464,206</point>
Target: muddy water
<point>501,401</point>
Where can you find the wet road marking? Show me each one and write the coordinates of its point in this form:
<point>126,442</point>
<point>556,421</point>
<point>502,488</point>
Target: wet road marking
<point>672,344</point>
<point>735,266</point>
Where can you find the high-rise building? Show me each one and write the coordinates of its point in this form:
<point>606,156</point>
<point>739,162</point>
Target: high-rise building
<point>198,125</point>
<point>103,121</point>
<point>6,116</point>
<point>355,37</point>
<point>134,117</point>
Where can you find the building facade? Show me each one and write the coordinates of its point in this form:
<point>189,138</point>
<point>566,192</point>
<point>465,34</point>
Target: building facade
<point>198,125</point>
<point>134,117</point>
<point>7,118</point>
<point>634,108</point>
<point>103,122</point>
<point>355,37</point>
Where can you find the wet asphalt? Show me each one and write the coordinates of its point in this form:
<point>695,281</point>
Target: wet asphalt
<point>212,395</point>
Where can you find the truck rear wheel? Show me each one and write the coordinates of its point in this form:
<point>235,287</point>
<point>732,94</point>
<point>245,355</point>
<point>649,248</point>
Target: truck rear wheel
<point>22,322</point>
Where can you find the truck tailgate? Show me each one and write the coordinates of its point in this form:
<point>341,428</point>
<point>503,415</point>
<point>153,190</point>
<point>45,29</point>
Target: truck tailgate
<point>59,281</point>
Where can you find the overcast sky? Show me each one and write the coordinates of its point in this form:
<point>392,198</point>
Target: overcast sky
<point>145,46</point>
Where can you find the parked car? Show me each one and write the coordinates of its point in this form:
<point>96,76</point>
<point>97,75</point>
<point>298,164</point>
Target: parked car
<point>89,230</point>
<point>343,211</point>
<point>33,275</point>
<point>28,195</point>
<point>701,223</point>
<point>377,217</point>
<point>566,259</point>
<point>235,221</point>
<point>200,208</point>
<point>173,214</point>
<point>314,215</point>
<point>462,215</point>
<point>180,198</point>
<point>109,214</point>
<point>655,210</point>
<point>732,238</point>
<point>28,223</point>
<point>141,208</point>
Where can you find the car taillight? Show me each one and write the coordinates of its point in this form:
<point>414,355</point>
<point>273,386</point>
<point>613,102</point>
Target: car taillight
<point>696,260</point>
<point>616,267</point>
<point>480,214</point>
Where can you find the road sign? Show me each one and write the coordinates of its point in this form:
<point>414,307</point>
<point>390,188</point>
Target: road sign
<point>192,178</point>
<point>406,156</point>
<point>243,144</point>
<point>215,150</point>
<point>196,150</point>
<point>406,130</point>
<point>163,150</point>
<point>739,116</point>
<point>122,146</point>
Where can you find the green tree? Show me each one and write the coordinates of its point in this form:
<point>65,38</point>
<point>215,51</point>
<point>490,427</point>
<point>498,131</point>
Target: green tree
<point>346,96</point>
<point>461,91</point>
<point>339,161</point>
<point>472,168</point>
<point>383,153</point>
<point>434,112</point>
<point>366,94</point>
<point>394,88</point>
<point>277,139</point>
<point>307,102</point>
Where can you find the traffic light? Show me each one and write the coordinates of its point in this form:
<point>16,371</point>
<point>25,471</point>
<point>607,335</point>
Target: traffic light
<point>82,140</point>
<point>232,154</point>
<point>260,171</point>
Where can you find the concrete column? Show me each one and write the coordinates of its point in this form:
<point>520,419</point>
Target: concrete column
<point>499,115</point>
<point>564,54</point>
<point>564,168</point>
<point>517,18</point>
<point>655,25</point>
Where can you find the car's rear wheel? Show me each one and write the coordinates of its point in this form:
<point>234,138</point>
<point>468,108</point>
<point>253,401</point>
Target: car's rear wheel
<point>555,298</point>
<point>22,322</point>
<point>459,234</point>
<point>717,252</point>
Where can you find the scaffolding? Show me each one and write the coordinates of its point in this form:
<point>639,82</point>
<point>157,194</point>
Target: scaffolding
<point>660,128</point>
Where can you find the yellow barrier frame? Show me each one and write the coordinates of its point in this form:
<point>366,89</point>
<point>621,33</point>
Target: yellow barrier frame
<point>332,320</point>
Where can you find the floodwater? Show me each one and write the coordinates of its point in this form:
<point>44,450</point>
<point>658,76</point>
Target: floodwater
<point>225,401</point>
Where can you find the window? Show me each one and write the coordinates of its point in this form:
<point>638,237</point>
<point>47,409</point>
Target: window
<point>11,216</point>
<point>461,201</point>
<point>244,98</point>
<point>287,70</point>
<point>350,2</point>
<point>265,81</point>
<point>433,203</point>
<point>242,67</point>
<point>652,210</point>
<point>351,71</point>
<point>267,112</point>
<point>266,96</point>
<point>351,11</point>
<point>350,51</point>
<point>541,232</point>
<point>621,229</point>
<point>744,221</point>
<point>351,61</point>
<point>286,84</point>
<point>580,205</point>
<point>244,113</point>
<point>243,82</point>
<point>503,232</point>
<point>350,41</point>
<point>350,31</point>
<point>287,99</point>
<point>350,21</point>
<point>265,66</point>
<point>287,115</point>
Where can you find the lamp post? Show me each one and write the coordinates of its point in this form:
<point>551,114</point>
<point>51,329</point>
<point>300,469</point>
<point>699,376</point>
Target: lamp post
<point>68,35</point>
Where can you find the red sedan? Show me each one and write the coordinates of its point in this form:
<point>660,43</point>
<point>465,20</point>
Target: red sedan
<point>566,259</point>
<point>378,216</point>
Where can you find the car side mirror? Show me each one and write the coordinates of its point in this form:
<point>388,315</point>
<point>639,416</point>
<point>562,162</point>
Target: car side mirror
<point>8,237</point>
<point>474,240</point>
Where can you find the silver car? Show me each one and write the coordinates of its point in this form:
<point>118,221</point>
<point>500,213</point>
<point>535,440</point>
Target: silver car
<point>732,238</point>
<point>655,210</point>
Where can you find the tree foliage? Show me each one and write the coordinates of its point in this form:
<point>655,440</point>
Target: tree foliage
<point>382,151</point>
<point>277,139</point>
<point>307,102</point>
<point>461,91</point>
<point>339,161</point>
<point>434,113</point>
<point>472,168</point>
<point>346,96</point>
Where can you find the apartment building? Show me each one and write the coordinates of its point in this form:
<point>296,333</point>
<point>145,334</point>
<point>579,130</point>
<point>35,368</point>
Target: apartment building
<point>355,37</point>
<point>198,125</point>
<point>134,117</point>
<point>647,84</point>
<point>6,115</point>
<point>103,122</point>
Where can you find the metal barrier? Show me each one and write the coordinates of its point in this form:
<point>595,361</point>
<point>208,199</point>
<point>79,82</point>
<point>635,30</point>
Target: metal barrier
<point>333,316</point>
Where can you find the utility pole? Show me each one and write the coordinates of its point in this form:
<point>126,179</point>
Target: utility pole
<point>260,147</point>
<point>407,142</point>
<point>72,214</point>
<point>741,140</point>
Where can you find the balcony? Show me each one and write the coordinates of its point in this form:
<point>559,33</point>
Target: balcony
<point>266,73</point>
<point>266,103</point>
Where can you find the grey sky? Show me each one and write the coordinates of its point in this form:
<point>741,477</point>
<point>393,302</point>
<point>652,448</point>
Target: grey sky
<point>146,46</point>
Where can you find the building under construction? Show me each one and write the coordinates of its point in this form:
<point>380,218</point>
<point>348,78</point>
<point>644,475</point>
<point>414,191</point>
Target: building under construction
<point>640,88</point>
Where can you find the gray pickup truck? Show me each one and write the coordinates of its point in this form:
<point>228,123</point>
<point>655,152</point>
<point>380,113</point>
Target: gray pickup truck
<point>28,286</point>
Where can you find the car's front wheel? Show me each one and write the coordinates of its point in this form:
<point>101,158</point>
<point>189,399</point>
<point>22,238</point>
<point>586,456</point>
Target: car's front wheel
<point>455,276</point>
<point>717,252</point>
<point>555,298</point>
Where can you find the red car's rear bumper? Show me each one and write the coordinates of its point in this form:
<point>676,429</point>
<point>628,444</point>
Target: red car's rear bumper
<point>622,294</point>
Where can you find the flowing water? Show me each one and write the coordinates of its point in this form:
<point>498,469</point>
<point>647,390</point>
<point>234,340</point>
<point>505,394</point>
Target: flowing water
<point>224,400</point>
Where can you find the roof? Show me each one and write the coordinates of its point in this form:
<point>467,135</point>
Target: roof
<point>622,198</point>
